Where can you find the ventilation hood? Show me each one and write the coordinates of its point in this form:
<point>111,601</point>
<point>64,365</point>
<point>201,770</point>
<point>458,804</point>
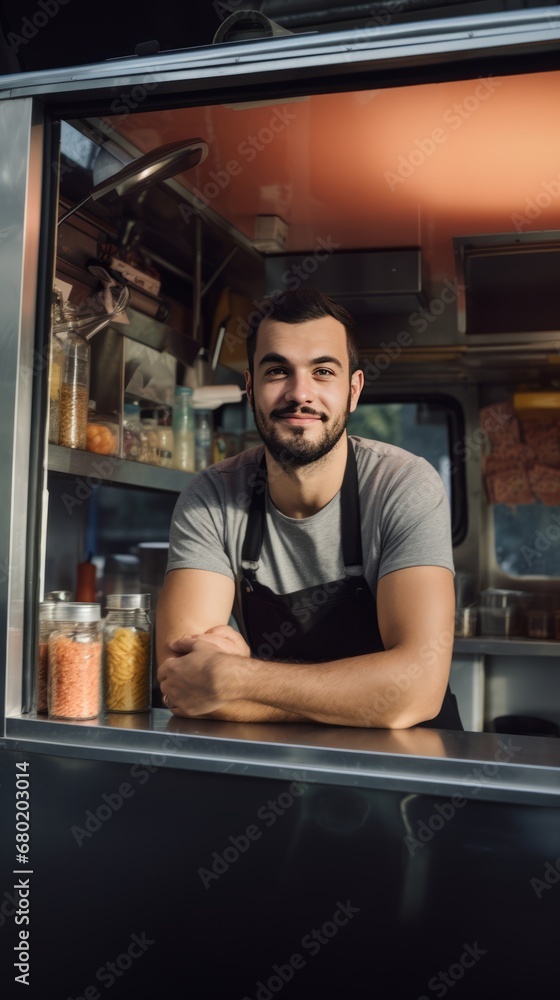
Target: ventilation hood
<point>364,281</point>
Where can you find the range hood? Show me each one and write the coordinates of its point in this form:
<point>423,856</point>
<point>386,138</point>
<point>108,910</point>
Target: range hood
<point>364,281</point>
<point>509,283</point>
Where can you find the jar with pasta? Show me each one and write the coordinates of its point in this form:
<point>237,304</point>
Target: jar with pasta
<point>127,653</point>
<point>74,668</point>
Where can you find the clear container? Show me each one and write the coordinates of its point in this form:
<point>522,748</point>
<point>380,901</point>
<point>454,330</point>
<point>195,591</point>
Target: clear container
<point>127,643</point>
<point>466,620</point>
<point>74,392</point>
<point>502,622</point>
<point>102,432</point>
<point>132,432</point>
<point>183,430</point>
<point>74,671</point>
<point>149,442</point>
<point>493,598</point>
<point>203,440</point>
<point>165,437</point>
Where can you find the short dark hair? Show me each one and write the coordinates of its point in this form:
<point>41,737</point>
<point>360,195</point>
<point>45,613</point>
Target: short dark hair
<point>299,307</point>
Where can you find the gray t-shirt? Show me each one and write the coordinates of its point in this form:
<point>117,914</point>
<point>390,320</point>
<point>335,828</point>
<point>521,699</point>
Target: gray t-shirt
<point>404,514</point>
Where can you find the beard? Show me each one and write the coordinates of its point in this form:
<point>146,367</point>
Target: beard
<point>291,449</point>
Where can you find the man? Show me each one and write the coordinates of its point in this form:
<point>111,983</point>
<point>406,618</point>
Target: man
<point>333,553</point>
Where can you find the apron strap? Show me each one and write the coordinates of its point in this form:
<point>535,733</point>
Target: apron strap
<point>351,526</point>
<point>349,516</point>
<point>252,543</point>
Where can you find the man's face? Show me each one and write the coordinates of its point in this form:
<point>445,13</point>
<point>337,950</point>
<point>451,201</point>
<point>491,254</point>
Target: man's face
<point>301,392</point>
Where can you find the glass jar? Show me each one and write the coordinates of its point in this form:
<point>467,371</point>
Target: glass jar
<point>132,428</point>
<point>165,437</point>
<point>74,678</point>
<point>183,430</point>
<point>149,441</point>
<point>46,626</point>
<point>127,636</point>
<point>74,392</point>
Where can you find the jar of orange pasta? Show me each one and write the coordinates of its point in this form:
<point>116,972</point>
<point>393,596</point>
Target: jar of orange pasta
<point>74,675</point>
<point>127,640</point>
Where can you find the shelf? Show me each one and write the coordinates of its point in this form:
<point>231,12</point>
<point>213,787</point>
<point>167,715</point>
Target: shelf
<point>507,647</point>
<point>106,469</point>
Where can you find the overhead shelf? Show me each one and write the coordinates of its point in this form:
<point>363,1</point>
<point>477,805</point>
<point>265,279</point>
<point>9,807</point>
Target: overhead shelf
<point>107,469</point>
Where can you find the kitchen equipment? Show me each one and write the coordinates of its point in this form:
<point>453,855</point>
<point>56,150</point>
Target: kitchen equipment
<point>503,612</point>
<point>466,620</point>
<point>501,622</point>
<point>540,624</point>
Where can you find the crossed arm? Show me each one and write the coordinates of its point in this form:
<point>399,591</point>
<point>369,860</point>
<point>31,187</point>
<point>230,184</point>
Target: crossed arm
<point>206,670</point>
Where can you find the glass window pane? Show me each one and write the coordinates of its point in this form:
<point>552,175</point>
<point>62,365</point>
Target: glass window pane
<point>417,427</point>
<point>528,539</point>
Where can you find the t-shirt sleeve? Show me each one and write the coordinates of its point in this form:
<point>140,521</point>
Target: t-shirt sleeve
<point>416,521</point>
<point>197,534</point>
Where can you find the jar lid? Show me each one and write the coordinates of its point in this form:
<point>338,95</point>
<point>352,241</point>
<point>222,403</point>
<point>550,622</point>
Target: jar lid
<point>127,602</point>
<point>74,611</point>
<point>58,595</point>
<point>183,390</point>
<point>46,610</point>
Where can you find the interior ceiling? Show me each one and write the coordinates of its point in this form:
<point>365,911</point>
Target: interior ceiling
<point>410,166</point>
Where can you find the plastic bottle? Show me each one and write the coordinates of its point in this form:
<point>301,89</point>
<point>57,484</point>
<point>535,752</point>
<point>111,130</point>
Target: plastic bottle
<point>183,430</point>
<point>203,439</point>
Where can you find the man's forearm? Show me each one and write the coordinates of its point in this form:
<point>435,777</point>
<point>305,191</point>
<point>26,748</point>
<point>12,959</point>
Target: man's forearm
<point>251,711</point>
<point>389,689</point>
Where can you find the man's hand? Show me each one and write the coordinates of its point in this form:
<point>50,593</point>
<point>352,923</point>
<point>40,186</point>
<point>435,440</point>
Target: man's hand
<point>195,683</point>
<point>223,637</point>
<point>203,679</point>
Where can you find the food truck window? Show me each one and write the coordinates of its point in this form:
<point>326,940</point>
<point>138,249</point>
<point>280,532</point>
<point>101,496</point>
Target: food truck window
<point>527,539</point>
<point>429,429</point>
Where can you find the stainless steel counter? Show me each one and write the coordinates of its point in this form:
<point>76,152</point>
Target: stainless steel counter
<point>436,762</point>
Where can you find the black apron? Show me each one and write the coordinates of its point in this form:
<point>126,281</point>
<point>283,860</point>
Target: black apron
<point>326,622</point>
